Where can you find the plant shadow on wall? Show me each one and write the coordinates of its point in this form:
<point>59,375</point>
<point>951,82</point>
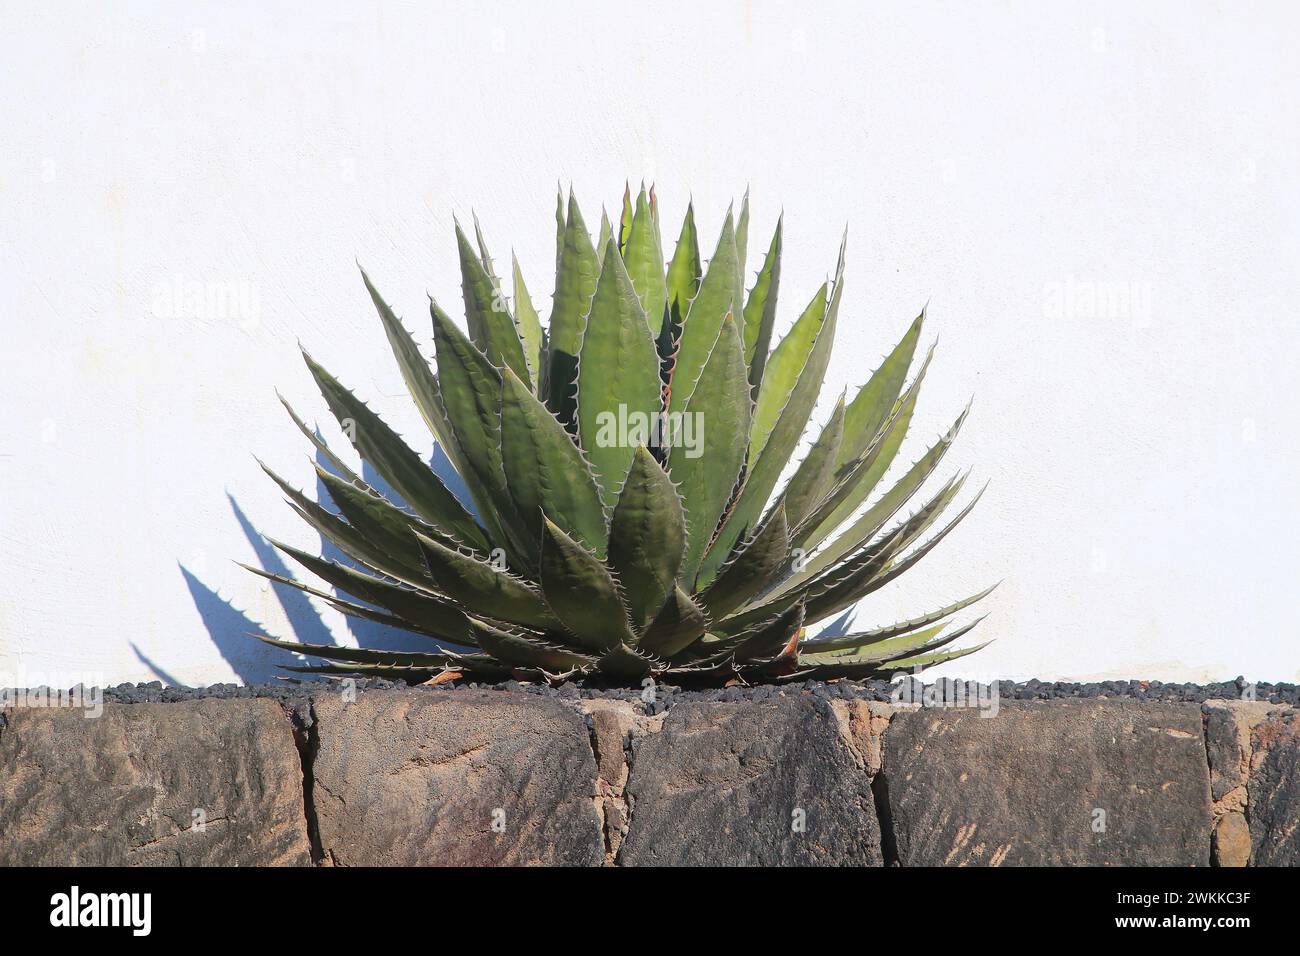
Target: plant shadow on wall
<point>618,519</point>
<point>229,628</point>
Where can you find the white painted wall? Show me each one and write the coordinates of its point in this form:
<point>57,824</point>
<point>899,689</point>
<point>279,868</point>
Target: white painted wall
<point>1005,161</point>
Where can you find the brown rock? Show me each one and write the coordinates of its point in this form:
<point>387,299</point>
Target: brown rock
<point>1228,725</point>
<point>1232,840</point>
<point>769,783</point>
<point>412,777</point>
<point>123,789</point>
<point>1050,783</point>
<point>863,724</point>
<point>1274,803</point>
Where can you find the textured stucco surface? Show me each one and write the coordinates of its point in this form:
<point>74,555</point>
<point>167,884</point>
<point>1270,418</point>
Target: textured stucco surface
<point>1004,162</point>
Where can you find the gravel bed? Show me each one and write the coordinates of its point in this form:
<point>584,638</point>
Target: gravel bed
<point>665,695</point>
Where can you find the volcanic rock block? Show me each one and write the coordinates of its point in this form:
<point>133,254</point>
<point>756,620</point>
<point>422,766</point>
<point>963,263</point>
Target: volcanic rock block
<point>770,782</point>
<point>470,778</point>
<point>1228,727</point>
<point>200,783</point>
<point>1274,787</point>
<point>1063,782</point>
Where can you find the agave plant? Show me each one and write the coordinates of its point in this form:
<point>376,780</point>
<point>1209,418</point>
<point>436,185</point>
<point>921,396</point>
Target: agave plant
<point>621,467</point>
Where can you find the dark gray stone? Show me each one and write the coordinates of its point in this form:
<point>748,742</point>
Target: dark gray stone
<point>723,784</point>
<point>409,778</point>
<point>1030,785</point>
<point>122,789</point>
<point>1275,791</point>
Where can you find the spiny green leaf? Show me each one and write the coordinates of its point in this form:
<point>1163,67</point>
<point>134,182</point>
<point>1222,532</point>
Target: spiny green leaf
<point>471,393</point>
<point>879,634</point>
<point>923,661</point>
<point>868,664</point>
<point>760,311</point>
<point>817,471</point>
<point>720,295</point>
<point>844,586</point>
<point>529,324</point>
<point>334,461</point>
<point>685,271</point>
<point>350,608</point>
<point>625,219</point>
<point>521,650</point>
<point>753,614</point>
<point>381,522</point>
<point>575,283</point>
<point>417,375</point>
<point>345,537</point>
<point>385,671</point>
<point>875,401</point>
<point>906,532</point>
<point>794,376</point>
<point>363,655</point>
<point>545,471</point>
<point>645,263</point>
<point>486,259</point>
<point>893,542</point>
<point>491,326</point>
<point>432,612</point>
<point>859,478</point>
<point>560,226</point>
<point>606,231</point>
<point>920,522</point>
<point>897,566</point>
<point>878,564</point>
<point>768,640</point>
<point>874,518</point>
<point>627,664</point>
<point>742,235</point>
<point>752,569</point>
<point>706,470</point>
<point>785,370</point>
<point>679,624</point>
<point>856,480</point>
<point>581,592</point>
<point>482,588</point>
<point>647,537</point>
<point>870,653</point>
<point>618,377</point>
<point>402,468</point>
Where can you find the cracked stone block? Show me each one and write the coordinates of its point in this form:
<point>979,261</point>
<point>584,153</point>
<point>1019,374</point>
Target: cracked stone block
<point>1075,783</point>
<point>766,783</point>
<point>863,723</point>
<point>1274,786</point>
<point>200,783</point>
<point>614,724</point>
<point>1228,725</point>
<point>410,778</point>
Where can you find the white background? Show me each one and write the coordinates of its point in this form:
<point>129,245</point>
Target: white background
<point>1099,201</point>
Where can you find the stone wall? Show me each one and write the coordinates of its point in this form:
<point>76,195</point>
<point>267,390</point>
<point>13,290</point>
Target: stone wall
<point>441,777</point>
